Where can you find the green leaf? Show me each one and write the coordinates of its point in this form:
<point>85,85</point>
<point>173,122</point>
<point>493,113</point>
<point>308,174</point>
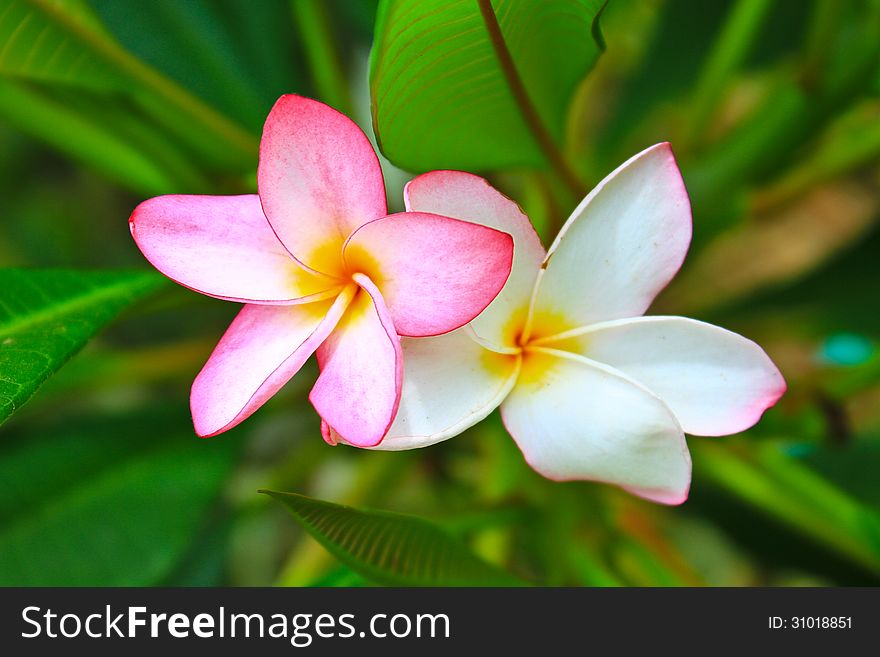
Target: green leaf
<point>444,95</point>
<point>62,42</point>
<point>46,316</point>
<point>741,30</point>
<point>43,40</point>
<point>321,46</point>
<point>108,502</point>
<point>234,54</point>
<point>391,548</point>
<point>341,576</point>
<point>770,138</point>
<point>794,495</point>
<point>853,467</point>
<point>667,72</point>
<point>106,137</point>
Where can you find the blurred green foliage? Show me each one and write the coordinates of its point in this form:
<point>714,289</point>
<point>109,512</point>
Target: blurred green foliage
<point>773,110</point>
<point>115,500</point>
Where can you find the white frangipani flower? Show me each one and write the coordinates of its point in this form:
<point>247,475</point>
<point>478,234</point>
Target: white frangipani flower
<point>588,387</point>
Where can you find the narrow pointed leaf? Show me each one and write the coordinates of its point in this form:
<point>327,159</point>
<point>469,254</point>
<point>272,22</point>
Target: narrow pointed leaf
<point>793,494</point>
<point>442,97</point>
<point>391,548</point>
<point>110,140</point>
<point>236,55</point>
<point>63,42</point>
<point>46,316</point>
<point>46,40</point>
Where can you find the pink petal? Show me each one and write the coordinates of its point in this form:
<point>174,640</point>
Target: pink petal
<point>223,246</point>
<point>262,349</point>
<point>450,382</point>
<point>358,391</point>
<point>577,419</point>
<point>715,381</point>
<point>620,247</point>
<point>435,273</point>
<point>319,179</point>
<point>470,198</point>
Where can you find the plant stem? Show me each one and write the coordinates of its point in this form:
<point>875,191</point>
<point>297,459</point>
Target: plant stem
<point>737,37</point>
<point>821,33</point>
<point>530,114</point>
<point>322,55</point>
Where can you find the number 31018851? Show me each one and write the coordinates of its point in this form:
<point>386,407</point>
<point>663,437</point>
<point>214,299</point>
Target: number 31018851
<point>810,622</point>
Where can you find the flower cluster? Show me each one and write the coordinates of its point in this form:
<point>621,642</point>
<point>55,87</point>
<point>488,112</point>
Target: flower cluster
<point>424,322</point>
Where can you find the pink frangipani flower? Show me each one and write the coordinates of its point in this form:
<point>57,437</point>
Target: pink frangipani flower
<point>588,387</point>
<point>322,268</point>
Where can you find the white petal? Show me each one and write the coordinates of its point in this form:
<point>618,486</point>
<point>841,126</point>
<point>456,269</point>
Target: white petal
<point>620,247</point>
<point>577,419</point>
<point>470,198</point>
<point>715,381</point>
<point>449,384</point>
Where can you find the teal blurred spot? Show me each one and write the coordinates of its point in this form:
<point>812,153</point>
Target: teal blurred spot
<point>798,450</point>
<point>846,349</point>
